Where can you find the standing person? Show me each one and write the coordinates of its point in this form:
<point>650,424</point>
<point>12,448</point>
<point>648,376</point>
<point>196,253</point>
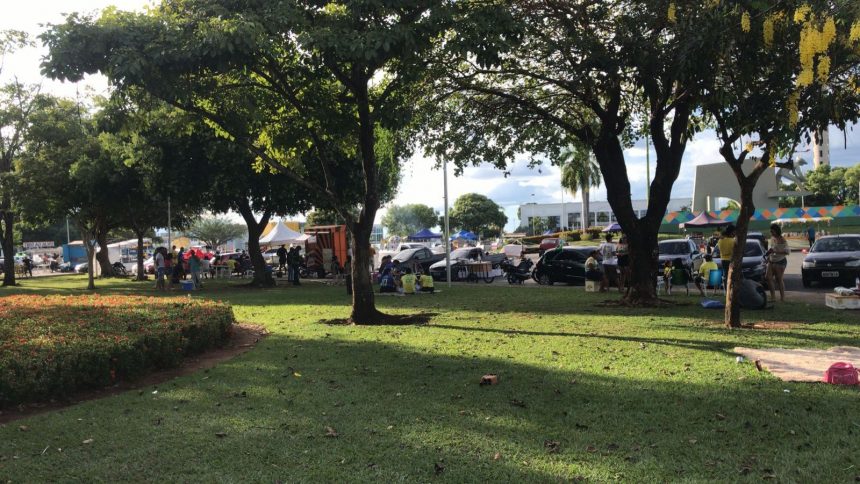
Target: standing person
<point>726,246</point>
<point>347,274</point>
<point>335,267</point>
<point>295,261</point>
<point>180,261</point>
<point>282,258</point>
<point>610,261</point>
<point>194,265</point>
<point>810,234</point>
<point>623,254</point>
<point>777,261</point>
<point>159,268</point>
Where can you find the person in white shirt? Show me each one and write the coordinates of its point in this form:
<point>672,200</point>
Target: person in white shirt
<point>610,262</point>
<point>159,268</point>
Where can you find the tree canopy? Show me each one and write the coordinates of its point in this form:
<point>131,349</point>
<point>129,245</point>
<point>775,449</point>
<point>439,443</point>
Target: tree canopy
<point>478,214</point>
<point>410,218</point>
<point>215,231</point>
<point>324,93</point>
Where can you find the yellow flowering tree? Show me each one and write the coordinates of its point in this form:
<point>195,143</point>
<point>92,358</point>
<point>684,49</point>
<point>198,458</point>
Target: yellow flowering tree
<point>790,69</point>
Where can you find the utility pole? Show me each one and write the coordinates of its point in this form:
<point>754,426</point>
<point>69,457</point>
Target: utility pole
<point>447,227</point>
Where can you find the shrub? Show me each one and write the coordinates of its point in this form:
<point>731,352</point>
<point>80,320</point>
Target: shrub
<point>52,346</point>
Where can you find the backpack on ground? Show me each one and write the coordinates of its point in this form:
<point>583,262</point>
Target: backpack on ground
<point>842,373</point>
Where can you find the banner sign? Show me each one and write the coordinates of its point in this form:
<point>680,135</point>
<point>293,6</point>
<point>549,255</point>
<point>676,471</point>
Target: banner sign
<point>39,245</point>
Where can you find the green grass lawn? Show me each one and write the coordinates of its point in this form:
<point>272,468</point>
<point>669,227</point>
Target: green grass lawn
<point>639,395</point>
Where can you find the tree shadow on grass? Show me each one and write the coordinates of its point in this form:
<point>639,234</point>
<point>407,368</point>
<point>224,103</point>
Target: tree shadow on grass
<point>704,345</point>
<point>344,410</point>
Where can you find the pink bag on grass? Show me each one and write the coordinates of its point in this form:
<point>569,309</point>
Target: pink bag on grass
<point>841,373</point>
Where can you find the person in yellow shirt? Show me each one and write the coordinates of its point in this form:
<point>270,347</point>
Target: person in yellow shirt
<point>726,246</point>
<point>707,266</point>
<point>408,281</point>
<point>426,283</point>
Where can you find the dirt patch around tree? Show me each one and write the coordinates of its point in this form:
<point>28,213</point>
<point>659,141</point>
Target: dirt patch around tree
<point>244,337</point>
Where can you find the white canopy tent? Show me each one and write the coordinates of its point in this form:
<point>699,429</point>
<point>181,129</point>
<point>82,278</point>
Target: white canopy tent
<point>283,235</point>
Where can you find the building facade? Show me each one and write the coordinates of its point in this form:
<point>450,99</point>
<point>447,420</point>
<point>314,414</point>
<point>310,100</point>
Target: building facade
<point>600,213</point>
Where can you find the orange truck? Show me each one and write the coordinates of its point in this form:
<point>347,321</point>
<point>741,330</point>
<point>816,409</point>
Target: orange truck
<point>326,241</point>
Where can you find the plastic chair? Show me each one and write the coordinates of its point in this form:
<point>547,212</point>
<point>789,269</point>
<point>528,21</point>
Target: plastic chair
<point>679,278</point>
<point>715,281</point>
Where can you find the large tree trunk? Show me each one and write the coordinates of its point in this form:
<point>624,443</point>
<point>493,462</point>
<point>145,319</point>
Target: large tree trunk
<point>735,276</point>
<point>141,275</point>
<point>7,219</point>
<point>88,237</point>
<point>105,267</point>
<point>643,266</point>
<point>262,278</point>
<point>363,301</point>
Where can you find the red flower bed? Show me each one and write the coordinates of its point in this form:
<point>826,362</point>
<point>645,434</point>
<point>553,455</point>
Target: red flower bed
<point>51,346</point>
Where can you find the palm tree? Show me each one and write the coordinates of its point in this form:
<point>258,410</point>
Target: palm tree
<point>579,172</point>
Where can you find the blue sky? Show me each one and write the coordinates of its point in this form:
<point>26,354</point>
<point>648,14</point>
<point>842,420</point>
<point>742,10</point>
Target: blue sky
<point>422,182</point>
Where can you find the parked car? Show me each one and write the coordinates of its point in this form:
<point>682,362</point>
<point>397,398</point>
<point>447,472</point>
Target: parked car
<point>549,244</point>
<point>760,237</point>
<point>82,267</point>
<point>565,265</point>
<point>418,258</point>
<point>834,259</point>
<point>458,258</point>
<point>753,263</point>
<point>684,249</point>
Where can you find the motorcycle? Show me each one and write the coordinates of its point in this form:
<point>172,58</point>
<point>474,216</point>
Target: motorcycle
<point>120,270</point>
<point>517,274</point>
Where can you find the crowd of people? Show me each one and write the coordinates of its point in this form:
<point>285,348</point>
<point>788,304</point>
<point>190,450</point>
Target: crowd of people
<point>395,279</point>
<point>614,259</point>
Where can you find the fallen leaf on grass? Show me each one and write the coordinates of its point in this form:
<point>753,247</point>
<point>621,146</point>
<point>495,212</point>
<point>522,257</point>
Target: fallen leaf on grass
<point>330,432</point>
<point>720,416</point>
<point>518,403</point>
<point>497,456</point>
<point>23,428</point>
<point>592,449</point>
<point>220,435</point>
<point>88,441</point>
<point>692,441</point>
<point>552,446</point>
<point>438,468</point>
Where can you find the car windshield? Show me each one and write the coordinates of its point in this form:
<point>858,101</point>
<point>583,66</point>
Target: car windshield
<point>753,249</point>
<point>461,254</point>
<point>674,248</point>
<point>837,244</point>
<point>405,255</point>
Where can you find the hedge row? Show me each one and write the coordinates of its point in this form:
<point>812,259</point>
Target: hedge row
<point>592,233</point>
<point>53,346</point>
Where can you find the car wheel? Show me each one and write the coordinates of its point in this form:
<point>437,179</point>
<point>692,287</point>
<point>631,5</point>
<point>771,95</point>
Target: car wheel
<point>544,280</point>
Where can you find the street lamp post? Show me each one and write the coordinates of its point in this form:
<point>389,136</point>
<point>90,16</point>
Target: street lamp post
<point>532,218</point>
<point>447,226</point>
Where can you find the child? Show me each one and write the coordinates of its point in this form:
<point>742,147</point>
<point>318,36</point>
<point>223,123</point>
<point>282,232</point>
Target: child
<point>408,282</point>
<point>667,276</point>
<point>418,281</point>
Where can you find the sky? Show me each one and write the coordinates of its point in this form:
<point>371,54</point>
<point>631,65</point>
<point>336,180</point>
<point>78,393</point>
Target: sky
<point>422,180</point>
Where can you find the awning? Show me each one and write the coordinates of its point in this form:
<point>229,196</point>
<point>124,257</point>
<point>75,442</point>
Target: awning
<point>704,221</point>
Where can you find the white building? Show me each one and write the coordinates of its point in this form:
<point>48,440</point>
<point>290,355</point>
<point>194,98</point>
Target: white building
<point>600,213</point>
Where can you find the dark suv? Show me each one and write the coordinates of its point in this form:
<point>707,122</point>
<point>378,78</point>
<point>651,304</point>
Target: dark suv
<point>565,265</point>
